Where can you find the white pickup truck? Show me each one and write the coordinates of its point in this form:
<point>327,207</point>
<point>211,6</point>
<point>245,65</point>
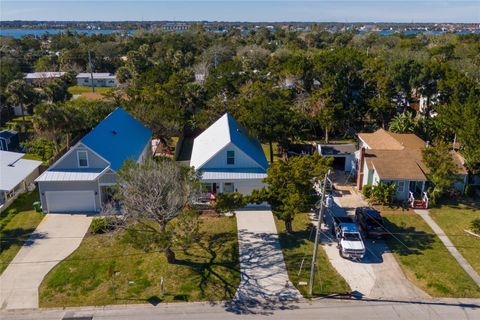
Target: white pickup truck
<point>350,242</point>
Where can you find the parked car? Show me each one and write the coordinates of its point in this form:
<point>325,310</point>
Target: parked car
<point>370,222</point>
<point>350,242</point>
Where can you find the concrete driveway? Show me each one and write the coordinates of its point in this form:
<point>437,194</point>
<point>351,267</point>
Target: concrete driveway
<point>378,275</point>
<point>55,238</point>
<point>264,279</point>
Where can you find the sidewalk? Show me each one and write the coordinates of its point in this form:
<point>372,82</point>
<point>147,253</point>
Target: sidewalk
<point>449,245</point>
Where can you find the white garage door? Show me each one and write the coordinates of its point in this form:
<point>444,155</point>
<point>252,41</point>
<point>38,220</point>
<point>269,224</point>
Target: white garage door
<point>70,201</point>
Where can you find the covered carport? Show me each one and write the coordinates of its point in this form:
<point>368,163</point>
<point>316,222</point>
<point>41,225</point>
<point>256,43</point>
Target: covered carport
<point>343,155</point>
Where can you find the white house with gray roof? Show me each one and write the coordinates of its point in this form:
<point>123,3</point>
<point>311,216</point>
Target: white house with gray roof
<point>228,159</point>
<point>100,79</point>
<point>16,175</point>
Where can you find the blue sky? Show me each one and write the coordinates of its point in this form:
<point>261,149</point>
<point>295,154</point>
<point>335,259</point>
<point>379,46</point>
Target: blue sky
<point>238,10</point>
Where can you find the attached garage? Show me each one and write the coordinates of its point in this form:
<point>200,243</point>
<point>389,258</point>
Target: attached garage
<point>71,201</point>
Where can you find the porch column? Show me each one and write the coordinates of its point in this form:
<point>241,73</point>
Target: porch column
<point>423,186</point>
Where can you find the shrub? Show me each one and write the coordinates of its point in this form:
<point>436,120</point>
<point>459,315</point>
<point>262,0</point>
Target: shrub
<point>382,193</point>
<point>367,191</point>
<point>229,201</point>
<point>469,191</point>
<point>476,225</point>
<point>102,225</point>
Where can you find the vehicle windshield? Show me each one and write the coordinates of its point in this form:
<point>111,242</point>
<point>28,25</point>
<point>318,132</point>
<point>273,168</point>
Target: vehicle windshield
<point>351,236</point>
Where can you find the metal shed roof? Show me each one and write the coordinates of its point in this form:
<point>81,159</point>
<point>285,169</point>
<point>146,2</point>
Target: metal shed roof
<point>14,169</point>
<point>247,174</point>
<point>70,175</point>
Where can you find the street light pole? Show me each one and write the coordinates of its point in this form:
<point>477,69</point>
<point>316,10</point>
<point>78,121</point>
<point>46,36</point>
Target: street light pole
<point>317,234</point>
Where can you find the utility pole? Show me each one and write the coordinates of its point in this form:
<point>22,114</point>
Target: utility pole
<point>91,70</point>
<point>317,234</point>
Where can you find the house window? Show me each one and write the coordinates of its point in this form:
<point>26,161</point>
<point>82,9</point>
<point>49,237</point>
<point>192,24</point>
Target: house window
<point>400,186</point>
<point>230,157</point>
<point>86,80</point>
<point>82,159</point>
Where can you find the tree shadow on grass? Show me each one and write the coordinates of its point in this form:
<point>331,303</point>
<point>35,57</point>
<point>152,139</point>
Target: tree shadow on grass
<point>213,262</point>
<point>19,237</point>
<point>407,240</point>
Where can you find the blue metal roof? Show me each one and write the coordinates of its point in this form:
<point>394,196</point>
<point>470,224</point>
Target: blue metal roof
<point>349,227</point>
<point>7,134</point>
<point>117,138</point>
<point>241,138</point>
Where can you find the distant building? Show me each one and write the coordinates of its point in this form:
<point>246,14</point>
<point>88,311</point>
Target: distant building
<point>41,77</point>
<point>175,27</point>
<point>99,79</point>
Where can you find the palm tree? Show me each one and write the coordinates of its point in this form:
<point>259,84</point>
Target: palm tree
<point>403,123</point>
<point>20,94</point>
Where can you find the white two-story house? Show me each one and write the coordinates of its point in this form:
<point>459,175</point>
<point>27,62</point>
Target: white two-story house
<point>82,180</point>
<point>228,159</point>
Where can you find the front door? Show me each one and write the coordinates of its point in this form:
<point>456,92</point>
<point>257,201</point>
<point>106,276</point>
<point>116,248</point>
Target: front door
<point>416,187</point>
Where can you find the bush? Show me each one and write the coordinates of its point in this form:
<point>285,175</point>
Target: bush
<point>476,225</point>
<point>229,201</point>
<point>102,225</point>
<point>383,193</point>
<point>469,191</point>
<point>367,191</point>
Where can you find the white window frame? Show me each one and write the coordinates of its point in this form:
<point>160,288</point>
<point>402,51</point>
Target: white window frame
<point>86,158</point>
<point>401,183</point>
<point>231,164</point>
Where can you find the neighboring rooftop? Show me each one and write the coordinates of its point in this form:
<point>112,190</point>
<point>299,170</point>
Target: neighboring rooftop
<point>336,149</point>
<point>117,138</point>
<point>14,169</point>
<point>7,134</point>
<point>385,140</point>
<point>397,164</point>
<point>216,137</point>
<point>44,75</point>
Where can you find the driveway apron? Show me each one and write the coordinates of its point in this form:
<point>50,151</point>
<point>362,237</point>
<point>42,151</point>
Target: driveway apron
<point>55,238</point>
<point>264,277</point>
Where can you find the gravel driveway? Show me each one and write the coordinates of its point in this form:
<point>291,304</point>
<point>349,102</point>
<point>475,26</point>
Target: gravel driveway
<point>55,238</point>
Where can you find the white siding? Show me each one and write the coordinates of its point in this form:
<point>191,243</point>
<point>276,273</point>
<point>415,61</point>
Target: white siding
<point>219,161</point>
<point>245,187</point>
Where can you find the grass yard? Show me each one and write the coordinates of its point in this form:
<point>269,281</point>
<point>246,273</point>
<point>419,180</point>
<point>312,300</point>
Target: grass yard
<point>83,89</point>
<point>17,222</point>
<point>105,270</point>
<point>426,261</point>
<point>454,219</point>
<point>299,245</point>
<point>266,150</point>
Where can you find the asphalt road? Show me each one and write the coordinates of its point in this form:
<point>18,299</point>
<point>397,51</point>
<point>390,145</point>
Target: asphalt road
<point>320,309</point>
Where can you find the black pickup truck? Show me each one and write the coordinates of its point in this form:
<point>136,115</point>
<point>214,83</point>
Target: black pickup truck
<point>370,222</point>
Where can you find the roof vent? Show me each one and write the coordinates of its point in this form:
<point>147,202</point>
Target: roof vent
<point>114,132</point>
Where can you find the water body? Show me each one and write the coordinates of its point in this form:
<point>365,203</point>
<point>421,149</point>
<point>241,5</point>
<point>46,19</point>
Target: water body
<point>18,33</point>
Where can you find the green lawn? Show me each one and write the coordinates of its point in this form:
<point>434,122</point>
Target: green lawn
<point>83,89</point>
<point>105,270</point>
<point>17,222</point>
<point>454,219</point>
<point>425,260</point>
<point>298,247</point>
<point>266,150</point>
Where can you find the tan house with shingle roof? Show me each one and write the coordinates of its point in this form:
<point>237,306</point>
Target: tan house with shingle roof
<point>396,157</point>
